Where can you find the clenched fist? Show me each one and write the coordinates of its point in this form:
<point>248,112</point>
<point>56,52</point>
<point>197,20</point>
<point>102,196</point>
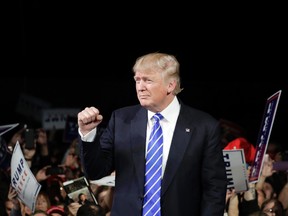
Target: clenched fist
<point>88,119</point>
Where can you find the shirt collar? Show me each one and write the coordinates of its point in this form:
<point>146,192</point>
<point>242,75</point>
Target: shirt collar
<point>170,112</point>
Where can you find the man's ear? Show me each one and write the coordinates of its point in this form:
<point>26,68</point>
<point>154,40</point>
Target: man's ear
<point>171,86</point>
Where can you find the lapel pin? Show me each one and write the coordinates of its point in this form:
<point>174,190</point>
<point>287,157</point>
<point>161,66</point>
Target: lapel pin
<point>187,130</point>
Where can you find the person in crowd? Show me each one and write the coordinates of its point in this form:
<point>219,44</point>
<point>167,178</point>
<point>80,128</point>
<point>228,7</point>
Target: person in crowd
<point>283,196</point>
<point>252,201</point>
<point>36,156</point>
<point>273,207</point>
<point>18,208</point>
<point>82,199</point>
<point>5,174</point>
<point>4,188</point>
<point>72,208</point>
<point>270,186</point>
<point>56,211</point>
<point>40,213</point>
<point>91,210</point>
<point>8,206</point>
<point>193,178</point>
<point>104,196</point>
<point>72,162</point>
<point>244,203</point>
<point>42,201</point>
<point>275,150</point>
<point>232,203</point>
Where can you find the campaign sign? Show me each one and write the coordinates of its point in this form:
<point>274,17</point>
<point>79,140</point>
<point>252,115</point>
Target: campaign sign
<point>56,118</point>
<point>264,135</point>
<point>23,180</point>
<point>5,128</point>
<point>5,155</point>
<point>236,172</point>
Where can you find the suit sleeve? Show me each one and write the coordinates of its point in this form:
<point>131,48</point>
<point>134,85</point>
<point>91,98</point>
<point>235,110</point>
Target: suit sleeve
<point>93,158</point>
<point>213,175</point>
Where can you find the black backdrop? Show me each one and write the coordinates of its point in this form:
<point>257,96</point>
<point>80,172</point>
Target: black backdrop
<point>75,54</point>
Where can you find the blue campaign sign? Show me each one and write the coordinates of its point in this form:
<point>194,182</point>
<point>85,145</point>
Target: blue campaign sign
<point>264,135</point>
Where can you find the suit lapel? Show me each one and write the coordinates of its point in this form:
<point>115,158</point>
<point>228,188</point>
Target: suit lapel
<point>182,132</point>
<point>138,143</point>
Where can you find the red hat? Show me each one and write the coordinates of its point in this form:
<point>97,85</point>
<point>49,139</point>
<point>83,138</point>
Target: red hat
<point>242,143</point>
<point>56,209</point>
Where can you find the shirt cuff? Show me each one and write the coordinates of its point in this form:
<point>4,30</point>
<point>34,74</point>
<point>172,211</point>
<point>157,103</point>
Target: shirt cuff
<point>89,137</point>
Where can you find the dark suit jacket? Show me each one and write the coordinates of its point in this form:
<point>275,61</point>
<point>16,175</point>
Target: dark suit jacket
<point>194,181</point>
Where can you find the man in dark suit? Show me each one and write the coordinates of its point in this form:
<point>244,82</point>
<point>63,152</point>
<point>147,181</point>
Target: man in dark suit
<point>193,177</point>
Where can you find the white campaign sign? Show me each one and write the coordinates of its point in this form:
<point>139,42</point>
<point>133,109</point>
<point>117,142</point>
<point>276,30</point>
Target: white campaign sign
<point>56,118</point>
<point>236,169</point>
<point>22,179</point>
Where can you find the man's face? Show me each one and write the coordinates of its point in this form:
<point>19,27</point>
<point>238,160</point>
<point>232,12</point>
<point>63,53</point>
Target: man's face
<point>151,90</point>
<point>83,197</point>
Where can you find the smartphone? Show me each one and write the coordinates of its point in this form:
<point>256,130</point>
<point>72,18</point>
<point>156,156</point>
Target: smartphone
<point>29,137</point>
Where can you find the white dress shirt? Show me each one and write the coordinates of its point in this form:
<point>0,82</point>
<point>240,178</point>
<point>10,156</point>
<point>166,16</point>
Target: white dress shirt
<point>168,124</point>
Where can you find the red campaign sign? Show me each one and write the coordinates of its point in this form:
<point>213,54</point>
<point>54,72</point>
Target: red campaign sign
<point>264,135</point>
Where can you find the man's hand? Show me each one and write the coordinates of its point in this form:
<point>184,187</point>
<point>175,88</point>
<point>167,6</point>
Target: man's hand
<point>88,119</point>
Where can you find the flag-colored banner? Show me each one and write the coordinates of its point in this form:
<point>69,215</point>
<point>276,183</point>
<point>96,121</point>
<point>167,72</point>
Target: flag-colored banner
<point>264,135</point>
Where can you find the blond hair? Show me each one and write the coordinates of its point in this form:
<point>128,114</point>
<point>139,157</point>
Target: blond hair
<point>163,63</point>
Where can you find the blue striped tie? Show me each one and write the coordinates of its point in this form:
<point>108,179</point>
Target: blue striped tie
<point>153,171</point>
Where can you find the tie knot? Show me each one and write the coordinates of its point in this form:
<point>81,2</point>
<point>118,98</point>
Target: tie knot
<point>157,117</point>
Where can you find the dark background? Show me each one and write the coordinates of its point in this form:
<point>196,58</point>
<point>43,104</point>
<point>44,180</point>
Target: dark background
<point>76,54</point>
